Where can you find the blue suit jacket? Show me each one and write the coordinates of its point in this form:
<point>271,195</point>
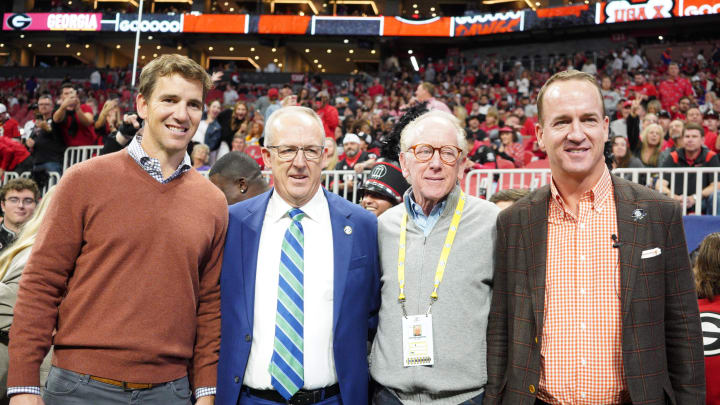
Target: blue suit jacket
<point>356,294</point>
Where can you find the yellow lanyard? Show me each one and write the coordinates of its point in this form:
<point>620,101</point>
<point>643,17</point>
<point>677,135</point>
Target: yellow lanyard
<point>449,239</point>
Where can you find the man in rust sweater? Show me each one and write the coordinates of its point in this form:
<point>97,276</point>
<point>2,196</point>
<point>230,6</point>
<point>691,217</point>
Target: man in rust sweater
<point>126,266</point>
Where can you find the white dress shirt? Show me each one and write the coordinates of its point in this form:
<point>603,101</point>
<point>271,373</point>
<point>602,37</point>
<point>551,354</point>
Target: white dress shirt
<point>319,361</point>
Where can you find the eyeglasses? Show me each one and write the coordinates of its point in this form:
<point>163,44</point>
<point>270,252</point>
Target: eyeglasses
<point>18,201</point>
<point>449,154</point>
<point>288,152</point>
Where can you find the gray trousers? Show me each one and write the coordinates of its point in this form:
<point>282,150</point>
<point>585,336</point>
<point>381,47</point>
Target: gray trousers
<point>65,387</point>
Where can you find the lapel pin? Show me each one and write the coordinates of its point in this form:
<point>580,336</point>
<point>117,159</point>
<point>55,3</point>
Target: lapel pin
<point>639,214</point>
<point>348,230</point>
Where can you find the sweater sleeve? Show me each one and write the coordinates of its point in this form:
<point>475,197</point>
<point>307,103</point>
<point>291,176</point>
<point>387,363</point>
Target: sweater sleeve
<point>44,280</point>
<point>207,342</point>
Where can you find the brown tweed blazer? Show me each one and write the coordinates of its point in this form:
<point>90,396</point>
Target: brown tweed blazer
<point>661,336</point>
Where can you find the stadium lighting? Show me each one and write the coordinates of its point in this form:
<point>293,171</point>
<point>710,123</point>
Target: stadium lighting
<point>257,57</point>
<point>279,65</point>
<point>301,13</point>
<point>78,53</point>
<point>179,47</point>
<point>329,50</point>
<point>432,8</point>
<point>323,70</point>
<point>22,36</point>
<point>414,5</point>
<point>307,50</point>
<point>225,4</point>
<point>275,60</point>
<point>434,14</point>
<point>414,63</point>
<point>274,50</point>
<point>319,65</point>
<point>49,46</point>
<point>232,9</point>
<point>142,57</point>
<point>154,55</point>
<point>347,41</point>
<point>409,51</point>
<point>232,48</point>
<point>150,37</point>
<point>210,48</point>
<point>67,45</point>
<point>117,46</point>
<point>157,47</point>
<point>660,37</point>
<point>372,52</point>
<point>347,59</point>
<point>252,49</point>
<point>351,51</point>
<point>2,45</point>
<point>29,45</point>
<point>87,46</point>
<point>315,61</point>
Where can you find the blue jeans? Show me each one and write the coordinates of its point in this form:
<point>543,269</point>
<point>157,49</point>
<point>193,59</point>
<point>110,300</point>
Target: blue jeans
<point>65,387</point>
<point>383,396</point>
<point>707,203</point>
<point>50,167</point>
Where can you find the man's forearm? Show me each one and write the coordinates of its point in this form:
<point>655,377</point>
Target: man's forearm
<point>709,189</point>
<point>59,115</point>
<point>85,119</point>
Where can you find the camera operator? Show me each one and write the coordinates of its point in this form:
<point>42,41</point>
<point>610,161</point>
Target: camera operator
<point>45,143</point>
<point>119,139</point>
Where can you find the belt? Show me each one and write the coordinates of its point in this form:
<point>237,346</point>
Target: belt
<point>127,386</point>
<point>302,397</point>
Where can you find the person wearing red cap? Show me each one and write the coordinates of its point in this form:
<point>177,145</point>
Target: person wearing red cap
<point>273,97</point>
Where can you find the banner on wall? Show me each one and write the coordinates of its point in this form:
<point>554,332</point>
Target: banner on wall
<point>487,24</point>
<point>625,11</point>
<point>686,8</point>
<point>402,27</point>
<point>216,23</point>
<point>52,22</point>
<point>162,23</point>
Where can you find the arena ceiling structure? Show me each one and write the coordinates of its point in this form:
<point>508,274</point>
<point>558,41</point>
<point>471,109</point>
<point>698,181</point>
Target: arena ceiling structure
<point>307,41</point>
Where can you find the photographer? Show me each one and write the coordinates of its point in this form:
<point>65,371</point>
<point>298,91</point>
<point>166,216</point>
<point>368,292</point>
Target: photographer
<point>45,144</point>
<point>119,139</point>
<point>74,120</point>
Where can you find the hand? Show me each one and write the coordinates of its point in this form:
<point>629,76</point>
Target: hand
<point>289,100</point>
<point>206,400</point>
<point>132,119</point>
<point>217,76</point>
<point>29,142</point>
<point>70,101</point>
<point>26,399</point>
<point>359,168</point>
<point>109,105</point>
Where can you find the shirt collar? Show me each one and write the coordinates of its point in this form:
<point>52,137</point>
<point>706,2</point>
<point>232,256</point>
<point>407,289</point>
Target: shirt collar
<point>152,165</point>
<point>415,210</point>
<point>7,230</point>
<point>278,207</point>
<point>598,194</point>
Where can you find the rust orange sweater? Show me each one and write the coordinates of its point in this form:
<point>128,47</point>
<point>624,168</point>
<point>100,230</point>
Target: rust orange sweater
<point>127,270</point>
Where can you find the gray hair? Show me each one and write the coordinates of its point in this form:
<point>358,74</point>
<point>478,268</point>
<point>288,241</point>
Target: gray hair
<point>413,129</point>
<point>274,117</point>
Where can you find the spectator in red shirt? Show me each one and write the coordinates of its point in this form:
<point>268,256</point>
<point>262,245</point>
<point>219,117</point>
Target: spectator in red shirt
<point>14,156</point>
<point>707,284</point>
<point>74,120</point>
<point>674,88</point>
<point>641,89</point>
<point>9,125</point>
<point>328,114</point>
<point>376,89</point>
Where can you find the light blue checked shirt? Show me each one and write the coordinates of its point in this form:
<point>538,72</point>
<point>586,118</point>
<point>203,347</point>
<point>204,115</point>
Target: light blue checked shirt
<point>152,167</point>
<point>424,222</point>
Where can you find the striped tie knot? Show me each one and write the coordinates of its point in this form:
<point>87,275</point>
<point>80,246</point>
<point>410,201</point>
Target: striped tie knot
<point>296,214</point>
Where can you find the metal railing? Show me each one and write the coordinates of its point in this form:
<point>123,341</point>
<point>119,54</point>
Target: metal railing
<point>53,179</point>
<point>77,154</point>
<point>485,183</point>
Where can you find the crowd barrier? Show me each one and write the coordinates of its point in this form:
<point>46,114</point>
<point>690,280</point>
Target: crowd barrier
<point>485,183</point>
<point>77,154</point>
<point>53,179</point>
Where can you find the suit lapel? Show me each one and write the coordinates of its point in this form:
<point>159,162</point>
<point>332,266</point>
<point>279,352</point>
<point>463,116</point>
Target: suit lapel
<point>628,236</point>
<point>250,245</point>
<point>536,231</point>
<point>342,248</point>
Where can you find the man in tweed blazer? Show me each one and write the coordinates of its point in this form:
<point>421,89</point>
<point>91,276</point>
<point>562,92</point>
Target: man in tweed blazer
<point>659,358</point>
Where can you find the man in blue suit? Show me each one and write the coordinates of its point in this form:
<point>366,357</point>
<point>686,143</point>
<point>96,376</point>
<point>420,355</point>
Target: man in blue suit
<point>300,281</point>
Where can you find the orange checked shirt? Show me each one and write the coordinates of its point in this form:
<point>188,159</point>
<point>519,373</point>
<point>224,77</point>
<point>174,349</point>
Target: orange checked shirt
<point>581,356</point>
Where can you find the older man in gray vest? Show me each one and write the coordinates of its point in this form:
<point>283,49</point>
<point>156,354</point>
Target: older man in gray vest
<point>436,251</point>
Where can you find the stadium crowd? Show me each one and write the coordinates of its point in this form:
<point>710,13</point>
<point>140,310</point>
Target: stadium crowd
<point>650,104</point>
